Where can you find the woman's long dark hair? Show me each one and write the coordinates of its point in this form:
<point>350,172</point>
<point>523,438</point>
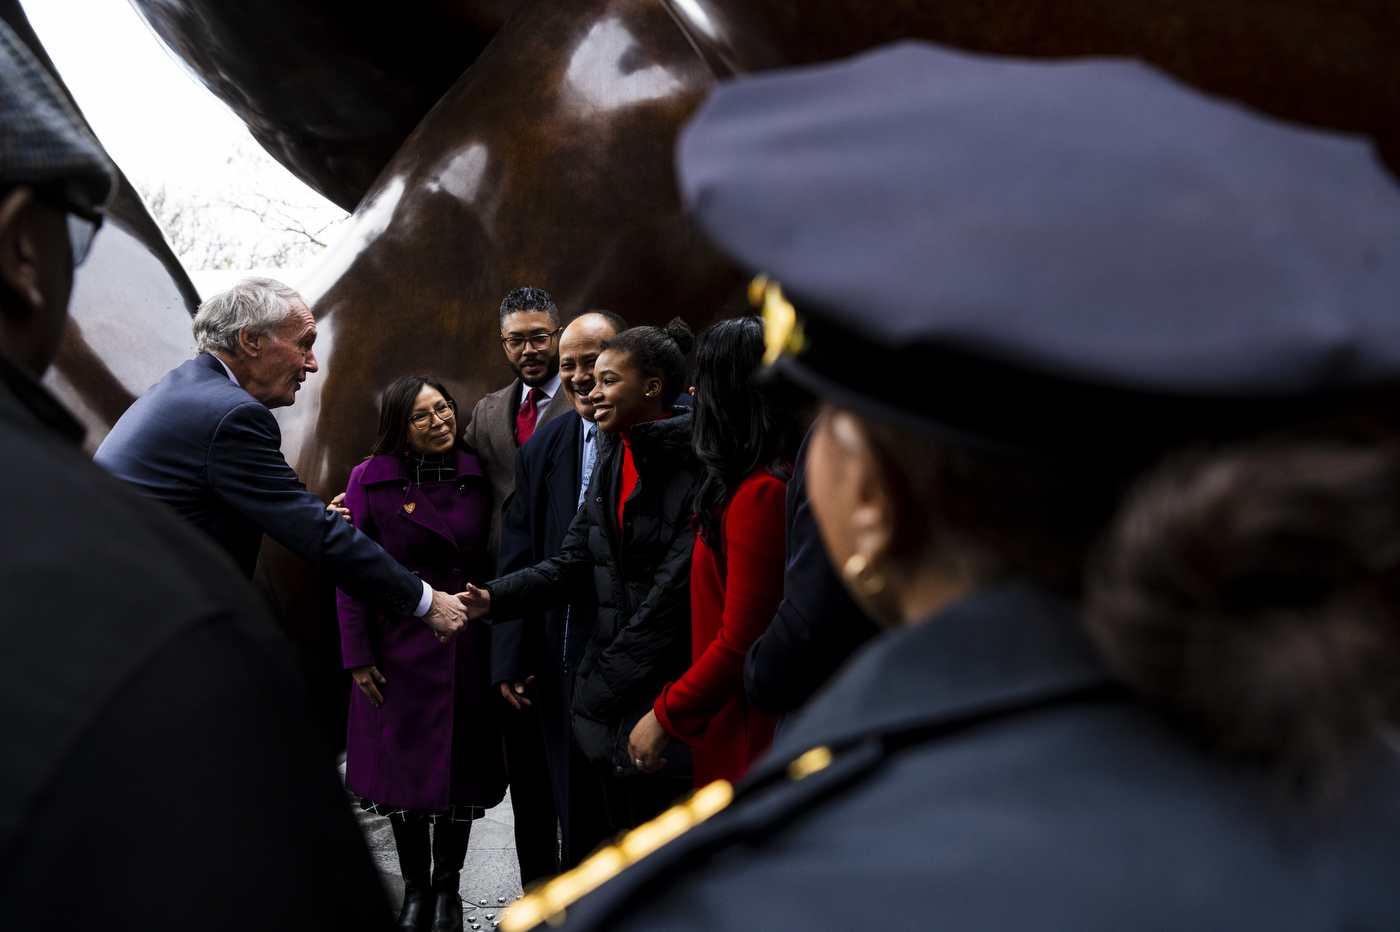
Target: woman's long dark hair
<point>396,407</point>
<point>739,424</point>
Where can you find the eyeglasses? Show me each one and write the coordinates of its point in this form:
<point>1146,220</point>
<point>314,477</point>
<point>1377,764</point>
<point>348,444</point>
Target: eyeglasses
<point>539,340</point>
<point>443,409</point>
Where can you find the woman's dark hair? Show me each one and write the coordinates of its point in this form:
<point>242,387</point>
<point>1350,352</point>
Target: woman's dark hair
<point>1010,517</point>
<point>1251,590</point>
<point>739,424</point>
<point>1254,592</point>
<point>396,407</point>
<point>657,351</point>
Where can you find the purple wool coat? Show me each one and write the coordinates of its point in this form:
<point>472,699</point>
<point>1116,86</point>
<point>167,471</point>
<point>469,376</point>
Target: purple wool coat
<point>436,739</point>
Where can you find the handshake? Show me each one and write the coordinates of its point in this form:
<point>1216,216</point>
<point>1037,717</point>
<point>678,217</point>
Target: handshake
<point>449,614</point>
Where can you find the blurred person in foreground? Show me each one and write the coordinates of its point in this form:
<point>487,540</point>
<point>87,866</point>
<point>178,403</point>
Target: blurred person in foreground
<point>742,438</point>
<point>162,768</point>
<point>203,441</point>
<point>1110,450</point>
<point>534,658</point>
<point>423,743</point>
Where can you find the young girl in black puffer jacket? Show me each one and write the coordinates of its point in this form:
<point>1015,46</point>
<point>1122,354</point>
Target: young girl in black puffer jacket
<point>630,545</point>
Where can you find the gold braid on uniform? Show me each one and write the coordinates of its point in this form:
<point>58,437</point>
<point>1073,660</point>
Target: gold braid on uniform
<point>547,904</point>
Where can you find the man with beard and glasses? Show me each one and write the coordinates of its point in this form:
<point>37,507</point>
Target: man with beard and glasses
<point>500,424</point>
<point>504,420</point>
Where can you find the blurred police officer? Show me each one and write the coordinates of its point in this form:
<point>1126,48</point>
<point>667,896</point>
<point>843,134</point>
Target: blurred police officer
<point>162,767</point>
<point>1111,451</point>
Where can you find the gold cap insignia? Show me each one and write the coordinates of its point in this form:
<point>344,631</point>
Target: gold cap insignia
<point>548,902</point>
<point>782,328</point>
<point>408,509</point>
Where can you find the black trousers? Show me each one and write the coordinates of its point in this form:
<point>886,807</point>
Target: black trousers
<point>532,799</point>
<point>588,825</point>
<point>630,801</point>
<point>437,864</point>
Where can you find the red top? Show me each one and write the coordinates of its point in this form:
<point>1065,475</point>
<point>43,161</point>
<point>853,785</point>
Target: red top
<point>734,594</point>
<point>629,471</point>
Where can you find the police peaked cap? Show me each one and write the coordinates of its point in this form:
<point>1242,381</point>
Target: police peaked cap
<point>1051,256</point>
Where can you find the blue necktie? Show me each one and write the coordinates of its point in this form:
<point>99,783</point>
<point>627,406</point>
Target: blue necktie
<point>590,453</point>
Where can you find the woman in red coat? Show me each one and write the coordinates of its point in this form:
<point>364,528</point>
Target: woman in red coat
<point>741,436</point>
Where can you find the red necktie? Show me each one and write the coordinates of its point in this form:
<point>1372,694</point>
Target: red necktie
<point>526,417</point>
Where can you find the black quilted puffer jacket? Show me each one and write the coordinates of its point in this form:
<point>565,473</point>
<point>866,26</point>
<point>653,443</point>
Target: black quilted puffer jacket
<point>640,573</point>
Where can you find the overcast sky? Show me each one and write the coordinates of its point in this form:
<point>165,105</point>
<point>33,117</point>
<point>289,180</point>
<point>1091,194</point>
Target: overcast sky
<point>159,124</point>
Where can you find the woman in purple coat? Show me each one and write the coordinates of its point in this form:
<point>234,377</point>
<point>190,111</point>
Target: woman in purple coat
<point>423,744</point>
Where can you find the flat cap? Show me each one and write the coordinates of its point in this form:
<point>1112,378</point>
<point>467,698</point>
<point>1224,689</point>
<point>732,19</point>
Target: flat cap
<point>43,141</point>
<point>1088,226</point>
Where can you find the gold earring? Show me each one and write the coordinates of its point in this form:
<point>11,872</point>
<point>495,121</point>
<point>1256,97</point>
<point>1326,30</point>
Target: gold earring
<point>852,573</point>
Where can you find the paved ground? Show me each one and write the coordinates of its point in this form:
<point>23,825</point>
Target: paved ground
<point>490,878</point>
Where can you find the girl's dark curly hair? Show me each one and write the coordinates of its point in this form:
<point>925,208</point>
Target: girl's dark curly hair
<point>657,351</point>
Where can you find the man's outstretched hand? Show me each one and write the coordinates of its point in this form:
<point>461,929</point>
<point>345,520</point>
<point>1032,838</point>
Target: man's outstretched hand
<point>476,601</point>
<point>446,616</point>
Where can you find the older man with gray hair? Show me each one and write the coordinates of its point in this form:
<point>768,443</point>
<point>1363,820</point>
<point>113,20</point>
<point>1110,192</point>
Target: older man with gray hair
<point>204,441</point>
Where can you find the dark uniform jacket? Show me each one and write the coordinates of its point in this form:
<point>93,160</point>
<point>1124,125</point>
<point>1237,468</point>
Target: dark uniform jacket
<point>639,574</point>
<point>988,776</point>
<point>817,625</point>
<point>548,645</point>
<point>160,763</point>
<point>208,449</point>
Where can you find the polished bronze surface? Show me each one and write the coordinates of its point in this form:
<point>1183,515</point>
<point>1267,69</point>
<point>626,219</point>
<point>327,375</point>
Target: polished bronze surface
<point>330,89</point>
<point>548,163</point>
<point>1331,63</point>
<point>129,315</point>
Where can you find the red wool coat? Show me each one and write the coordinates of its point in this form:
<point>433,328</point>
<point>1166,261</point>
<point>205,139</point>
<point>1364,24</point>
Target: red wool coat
<point>734,593</point>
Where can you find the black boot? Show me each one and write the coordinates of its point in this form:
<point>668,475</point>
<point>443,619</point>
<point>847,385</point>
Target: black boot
<point>411,839</point>
<point>449,853</point>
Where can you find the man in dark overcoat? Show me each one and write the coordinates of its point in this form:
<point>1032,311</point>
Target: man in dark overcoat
<point>501,423</point>
<point>537,655</point>
<point>162,767</point>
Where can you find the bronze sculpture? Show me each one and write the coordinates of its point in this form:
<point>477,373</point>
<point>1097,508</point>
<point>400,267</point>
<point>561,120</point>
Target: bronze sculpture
<point>486,144</point>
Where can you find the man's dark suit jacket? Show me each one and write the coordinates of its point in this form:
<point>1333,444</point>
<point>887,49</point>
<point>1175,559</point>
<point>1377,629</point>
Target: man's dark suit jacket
<point>211,451</point>
<point>151,707</point>
<point>491,436</point>
<point>548,646</point>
